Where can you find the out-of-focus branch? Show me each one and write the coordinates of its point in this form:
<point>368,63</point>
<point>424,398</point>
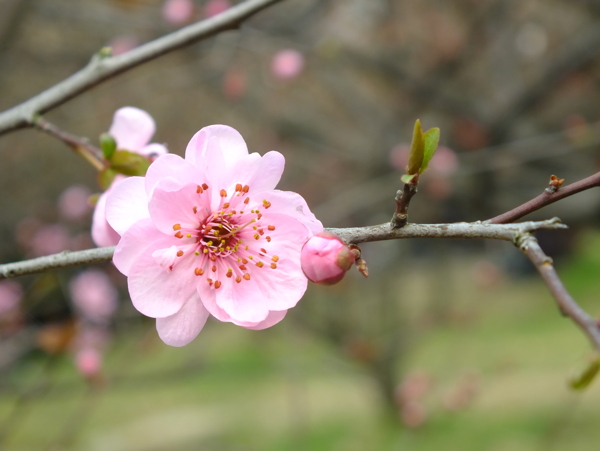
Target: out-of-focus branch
<point>546,198</point>
<point>90,153</point>
<point>530,247</point>
<point>355,235</point>
<point>102,67</point>
<point>63,260</point>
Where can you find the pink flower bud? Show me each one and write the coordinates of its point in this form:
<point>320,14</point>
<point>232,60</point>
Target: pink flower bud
<point>88,362</point>
<point>325,258</point>
<point>178,12</point>
<point>73,202</point>
<point>94,296</point>
<point>287,64</point>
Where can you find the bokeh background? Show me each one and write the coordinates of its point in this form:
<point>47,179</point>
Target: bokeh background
<point>448,345</point>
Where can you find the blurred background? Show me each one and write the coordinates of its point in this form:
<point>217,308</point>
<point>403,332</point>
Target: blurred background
<point>450,345</point>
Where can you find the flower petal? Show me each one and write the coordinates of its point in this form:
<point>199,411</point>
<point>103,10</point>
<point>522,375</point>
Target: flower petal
<point>184,207</point>
<point>153,150</point>
<point>268,173</point>
<point>273,318</point>
<point>102,233</point>
<point>156,292</point>
<point>127,203</point>
<point>132,128</point>
<point>139,237</point>
<point>182,327</point>
<point>174,167</point>
<point>231,143</point>
<point>294,205</point>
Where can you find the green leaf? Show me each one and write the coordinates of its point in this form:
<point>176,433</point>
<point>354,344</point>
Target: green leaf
<point>106,177</point>
<point>129,163</point>
<point>431,138</point>
<point>417,150</point>
<point>406,178</point>
<point>108,145</point>
<point>584,379</point>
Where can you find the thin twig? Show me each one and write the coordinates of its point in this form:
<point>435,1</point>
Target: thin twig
<point>101,68</point>
<point>402,199</point>
<point>64,259</point>
<point>355,235</point>
<point>90,153</point>
<point>546,198</point>
<point>567,305</point>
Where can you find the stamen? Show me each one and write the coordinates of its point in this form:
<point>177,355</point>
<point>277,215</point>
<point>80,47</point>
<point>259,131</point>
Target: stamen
<point>223,193</point>
<point>238,187</point>
<point>260,264</point>
<point>229,273</point>
<point>199,190</point>
<point>256,236</point>
<point>273,265</point>
<point>217,284</point>
<point>188,235</point>
<point>238,279</point>
<point>246,200</point>
<point>246,188</point>
<point>226,204</point>
<point>205,186</point>
<point>179,253</point>
<point>271,228</point>
<point>266,203</point>
<point>247,276</point>
<point>177,227</point>
<point>243,268</point>
<point>214,268</point>
<point>198,271</point>
<point>179,235</point>
<point>263,250</point>
<point>268,239</point>
<point>275,258</point>
<point>195,210</point>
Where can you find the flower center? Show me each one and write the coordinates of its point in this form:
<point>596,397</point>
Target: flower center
<point>228,243</point>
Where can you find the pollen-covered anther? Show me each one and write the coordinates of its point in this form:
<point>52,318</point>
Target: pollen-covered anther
<point>179,235</point>
<point>271,228</point>
<point>177,227</point>
<point>217,284</point>
<point>226,205</point>
<point>243,268</point>
<point>256,236</point>
<point>259,215</point>
<point>264,251</point>
<point>238,187</point>
<point>246,276</point>
<point>229,273</point>
<point>261,232</point>
<point>205,186</point>
<point>244,261</point>
<point>198,271</point>
<point>238,279</point>
<point>266,203</point>
<point>260,264</point>
<point>273,265</point>
<point>213,258</point>
<point>246,200</point>
<point>223,193</point>
<point>214,269</point>
<point>275,258</point>
<point>246,188</point>
<point>268,238</point>
<point>188,235</point>
<point>199,190</point>
<point>179,253</point>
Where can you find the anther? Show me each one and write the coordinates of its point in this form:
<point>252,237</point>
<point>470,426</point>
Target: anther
<point>247,276</point>
<point>271,228</point>
<point>214,269</point>
<point>226,204</point>
<point>256,236</point>
<point>213,258</point>
<point>244,261</point>
<point>243,268</point>
<point>238,187</point>
<point>260,264</point>
<point>179,235</point>
<point>238,279</point>
<point>199,190</point>
<point>198,271</point>
<point>177,227</point>
<point>259,215</point>
<point>223,193</point>
<point>275,258</point>
<point>179,253</point>
<point>266,203</point>
<point>263,250</point>
<point>195,210</point>
<point>246,188</point>
<point>196,253</point>
<point>273,265</point>
<point>268,239</point>
<point>205,186</point>
<point>246,200</point>
<point>217,284</point>
<point>261,231</point>
<point>229,273</point>
<point>188,235</point>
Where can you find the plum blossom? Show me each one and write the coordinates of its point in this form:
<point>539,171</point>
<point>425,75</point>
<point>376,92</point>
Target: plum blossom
<point>209,234</point>
<point>73,202</point>
<point>132,130</point>
<point>93,295</point>
<point>287,64</point>
<point>178,12</point>
<point>214,7</point>
<point>325,258</point>
<point>11,294</point>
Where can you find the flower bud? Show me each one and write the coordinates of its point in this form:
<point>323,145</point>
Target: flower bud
<point>325,258</point>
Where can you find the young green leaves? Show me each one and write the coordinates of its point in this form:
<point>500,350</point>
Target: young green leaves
<point>422,149</point>
<point>119,162</point>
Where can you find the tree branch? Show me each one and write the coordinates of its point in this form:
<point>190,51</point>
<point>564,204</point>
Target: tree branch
<point>567,305</point>
<point>403,198</point>
<point>355,235</point>
<point>102,67</point>
<point>546,198</point>
<point>65,259</point>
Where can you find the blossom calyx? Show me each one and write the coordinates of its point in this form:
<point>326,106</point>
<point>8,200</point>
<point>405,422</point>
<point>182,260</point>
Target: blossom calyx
<point>325,258</point>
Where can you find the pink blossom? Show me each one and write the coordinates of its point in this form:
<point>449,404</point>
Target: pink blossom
<point>73,202</point>
<point>325,259</point>
<point>210,234</point>
<point>287,64</point>
<point>123,44</point>
<point>88,362</point>
<point>178,12</point>
<point>132,130</point>
<point>50,239</point>
<point>93,295</point>
<point>11,294</point>
<point>214,7</point>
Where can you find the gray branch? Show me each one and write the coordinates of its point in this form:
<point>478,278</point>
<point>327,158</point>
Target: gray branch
<point>101,68</point>
<point>354,235</point>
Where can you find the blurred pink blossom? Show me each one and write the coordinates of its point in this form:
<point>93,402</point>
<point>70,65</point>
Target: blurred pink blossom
<point>73,202</point>
<point>132,129</point>
<point>11,294</point>
<point>444,162</point>
<point>123,44</point>
<point>325,258</point>
<point>209,234</point>
<point>214,7</point>
<point>50,239</point>
<point>94,296</point>
<point>287,64</point>
<point>88,362</point>
<point>178,12</point>
<point>234,84</point>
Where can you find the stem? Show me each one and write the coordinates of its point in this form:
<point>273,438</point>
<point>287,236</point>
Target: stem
<point>567,305</point>
<point>403,198</point>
